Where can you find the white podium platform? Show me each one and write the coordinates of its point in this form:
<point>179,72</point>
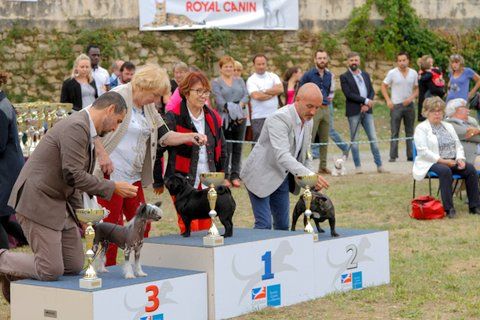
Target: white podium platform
<point>163,295</point>
<point>355,260</point>
<point>252,270</point>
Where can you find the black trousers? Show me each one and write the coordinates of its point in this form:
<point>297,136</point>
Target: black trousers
<point>445,176</point>
<point>12,228</point>
<point>234,150</point>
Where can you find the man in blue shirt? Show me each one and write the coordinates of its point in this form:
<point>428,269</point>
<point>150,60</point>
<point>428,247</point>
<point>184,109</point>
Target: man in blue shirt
<point>324,80</point>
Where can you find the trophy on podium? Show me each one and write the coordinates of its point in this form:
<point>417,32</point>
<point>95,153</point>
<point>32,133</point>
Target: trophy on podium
<point>307,182</point>
<point>212,179</point>
<point>90,216</point>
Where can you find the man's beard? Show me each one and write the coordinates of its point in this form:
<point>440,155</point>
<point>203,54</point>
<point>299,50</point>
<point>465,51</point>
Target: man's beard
<point>322,65</point>
<point>354,67</point>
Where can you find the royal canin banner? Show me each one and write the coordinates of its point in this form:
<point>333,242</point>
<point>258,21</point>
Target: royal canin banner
<point>222,14</point>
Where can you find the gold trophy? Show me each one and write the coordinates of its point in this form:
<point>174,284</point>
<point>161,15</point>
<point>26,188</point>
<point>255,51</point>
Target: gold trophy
<point>212,179</point>
<point>90,216</point>
<point>307,182</point>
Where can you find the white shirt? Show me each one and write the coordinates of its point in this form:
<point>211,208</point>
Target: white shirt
<point>402,87</point>
<point>102,79</point>
<point>299,129</point>
<point>259,82</point>
<point>129,154</point>
<point>202,165</point>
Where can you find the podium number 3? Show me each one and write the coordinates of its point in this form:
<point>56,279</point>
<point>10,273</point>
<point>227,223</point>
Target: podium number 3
<point>352,262</point>
<point>267,259</point>
<point>153,298</point>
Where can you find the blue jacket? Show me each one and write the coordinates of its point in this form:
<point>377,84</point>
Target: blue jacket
<point>324,83</point>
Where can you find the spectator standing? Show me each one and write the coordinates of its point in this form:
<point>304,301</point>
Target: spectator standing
<point>116,65</point>
<point>359,94</point>
<point>231,98</point>
<point>127,70</point>
<point>180,70</point>
<point>80,89</point>
<point>101,76</point>
<point>11,162</point>
<point>291,79</point>
<point>264,87</point>
<point>430,82</point>
<point>323,78</point>
<point>403,82</point>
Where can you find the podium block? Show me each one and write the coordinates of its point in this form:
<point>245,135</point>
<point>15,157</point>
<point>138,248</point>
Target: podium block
<point>252,270</point>
<point>163,295</point>
<point>355,260</point>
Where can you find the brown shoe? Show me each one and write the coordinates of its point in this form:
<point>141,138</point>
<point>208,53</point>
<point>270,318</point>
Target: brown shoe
<point>236,183</point>
<point>325,171</point>
<point>5,286</point>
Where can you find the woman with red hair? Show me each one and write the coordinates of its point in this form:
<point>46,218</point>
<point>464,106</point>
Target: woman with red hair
<point>193,115</point>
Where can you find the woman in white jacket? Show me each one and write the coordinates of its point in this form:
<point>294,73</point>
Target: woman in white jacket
<point>439,150</point>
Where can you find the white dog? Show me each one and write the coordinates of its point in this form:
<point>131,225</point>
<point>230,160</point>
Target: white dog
<point>339,167</point>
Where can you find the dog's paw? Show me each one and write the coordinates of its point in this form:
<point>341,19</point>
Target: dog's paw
<point>129,275</point>
<point>334,234</point>
<point>141,273</point>
<point>102,269</point>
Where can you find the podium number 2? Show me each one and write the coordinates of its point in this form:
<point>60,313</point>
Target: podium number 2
<point>352,262</point>
<point>153,298</point>
<point>267,259</point>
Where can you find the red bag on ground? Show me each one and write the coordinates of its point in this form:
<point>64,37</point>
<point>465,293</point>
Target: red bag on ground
<point>427,208</point>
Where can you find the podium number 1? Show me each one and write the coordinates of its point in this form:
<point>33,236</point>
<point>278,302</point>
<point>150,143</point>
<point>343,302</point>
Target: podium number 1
<point>267,259</point>
<point>153,298</point>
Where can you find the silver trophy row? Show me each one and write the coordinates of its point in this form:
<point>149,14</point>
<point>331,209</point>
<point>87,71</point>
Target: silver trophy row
<point>34,119</point>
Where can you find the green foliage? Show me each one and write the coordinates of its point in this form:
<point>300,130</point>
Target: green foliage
<point>106,39</point>
<point>148,40</point>
<point>206,42</point>
<point>17,32</point>
<point>401,30</point>
<point>328,42</point>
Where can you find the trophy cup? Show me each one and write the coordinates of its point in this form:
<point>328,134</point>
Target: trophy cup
<point>307,182</point>
<point>211,179</point>
<point>90,216</point>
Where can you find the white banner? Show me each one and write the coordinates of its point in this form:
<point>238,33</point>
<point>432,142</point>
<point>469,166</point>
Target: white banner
<point>223,14</point>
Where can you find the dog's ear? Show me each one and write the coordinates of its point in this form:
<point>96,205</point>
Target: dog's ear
<point>158,204</point>
<point>141,207</point>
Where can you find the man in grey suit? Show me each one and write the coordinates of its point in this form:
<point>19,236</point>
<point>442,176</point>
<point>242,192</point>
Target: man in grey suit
<point>49,189</point>
<point>282,152</point>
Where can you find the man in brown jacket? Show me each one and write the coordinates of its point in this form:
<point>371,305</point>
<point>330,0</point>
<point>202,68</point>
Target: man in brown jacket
<point>49,189</point>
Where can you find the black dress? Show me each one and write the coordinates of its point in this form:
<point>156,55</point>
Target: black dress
<point>427,89</point>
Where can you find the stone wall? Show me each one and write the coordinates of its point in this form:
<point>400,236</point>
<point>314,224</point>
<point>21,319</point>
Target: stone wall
<point>315,15</point>
<point>40,61</point>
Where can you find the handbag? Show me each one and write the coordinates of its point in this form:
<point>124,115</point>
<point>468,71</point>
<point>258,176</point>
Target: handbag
<point>427,208</point>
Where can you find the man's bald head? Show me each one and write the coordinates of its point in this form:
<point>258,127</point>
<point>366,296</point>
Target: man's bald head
<point>310,90</point>
<point>307,101</point>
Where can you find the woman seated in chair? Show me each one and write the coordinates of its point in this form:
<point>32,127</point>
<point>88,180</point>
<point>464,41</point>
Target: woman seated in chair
<point>439,150</point>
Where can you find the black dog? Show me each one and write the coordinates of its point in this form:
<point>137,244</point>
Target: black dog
<point>322,209</point>
<point>193,204</point>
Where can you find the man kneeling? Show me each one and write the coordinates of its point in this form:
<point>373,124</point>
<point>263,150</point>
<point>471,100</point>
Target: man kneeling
<point>48,190</point>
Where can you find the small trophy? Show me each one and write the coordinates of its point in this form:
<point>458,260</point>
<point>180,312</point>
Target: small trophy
<point>212,179</point>
<point>307,182</point>
<point>90,216</point>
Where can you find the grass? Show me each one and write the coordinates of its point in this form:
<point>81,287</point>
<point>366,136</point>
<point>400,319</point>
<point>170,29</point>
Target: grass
<point>435,265</point>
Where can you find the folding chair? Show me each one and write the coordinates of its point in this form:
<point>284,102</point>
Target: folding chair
<point>432,175</point>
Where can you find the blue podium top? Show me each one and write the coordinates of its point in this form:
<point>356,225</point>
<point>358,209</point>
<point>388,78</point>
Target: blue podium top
<point>243,235</point>
<point>112,279</point>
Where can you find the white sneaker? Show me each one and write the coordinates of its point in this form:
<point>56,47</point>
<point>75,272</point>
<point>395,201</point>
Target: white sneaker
<point>358,170</point>
<point>381,170</point>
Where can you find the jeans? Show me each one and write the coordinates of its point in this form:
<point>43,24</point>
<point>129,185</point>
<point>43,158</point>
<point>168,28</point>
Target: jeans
<point>445,176</point>
<point>321,126</point>
<point>276,205</point>
<point>369,127</point>
<point>234,150</point>
<point>257,125</point>
<point>398,113</point>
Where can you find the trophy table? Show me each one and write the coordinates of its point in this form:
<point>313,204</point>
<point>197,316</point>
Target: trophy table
<point>308,182</point>
<point>212,179</point>
<point>90,216</point>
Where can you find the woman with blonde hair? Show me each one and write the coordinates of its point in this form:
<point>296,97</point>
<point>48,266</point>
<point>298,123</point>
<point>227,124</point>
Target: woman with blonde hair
<point>460,77</point>
<point>80,89</point>
<point>440,151</point>
<point>128,153</point>
<point>231,98</point>
<point>430,82</point>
